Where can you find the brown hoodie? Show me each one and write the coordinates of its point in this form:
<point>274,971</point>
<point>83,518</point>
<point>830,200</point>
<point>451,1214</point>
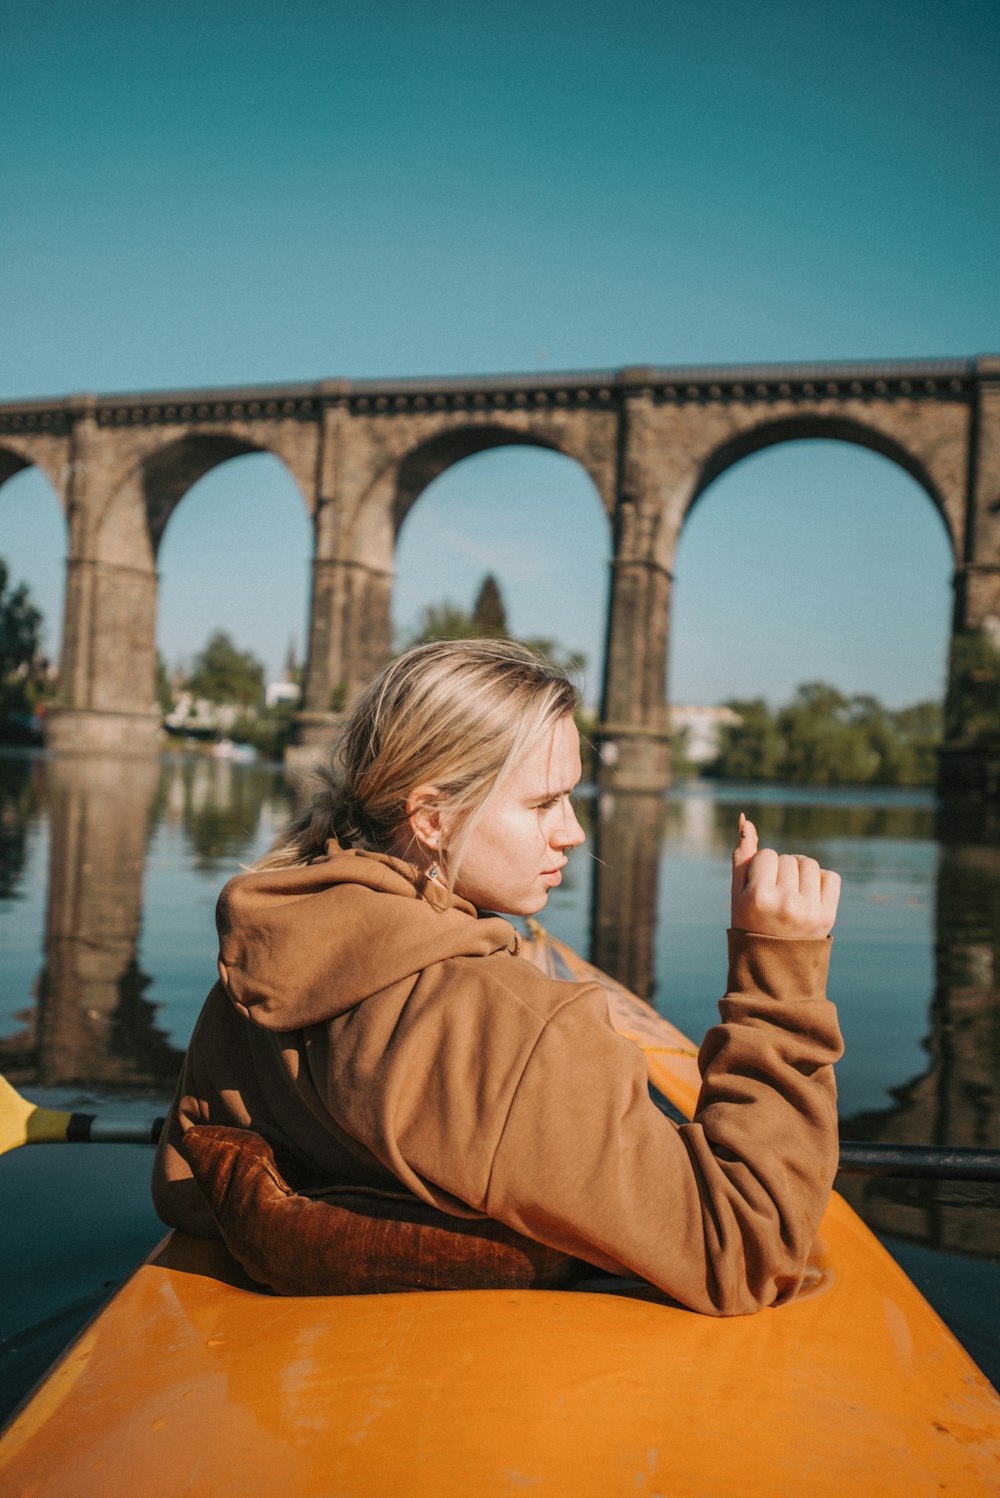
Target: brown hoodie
<point>377,1031</point>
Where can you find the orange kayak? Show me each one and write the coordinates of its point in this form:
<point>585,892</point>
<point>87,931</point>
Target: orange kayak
<point>192,1381</point>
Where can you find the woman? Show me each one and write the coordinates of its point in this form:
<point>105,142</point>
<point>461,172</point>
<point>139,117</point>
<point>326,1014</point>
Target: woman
<point>375,1024</point>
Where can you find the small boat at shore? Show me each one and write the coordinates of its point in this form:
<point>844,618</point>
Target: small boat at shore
<point>194,1381</point>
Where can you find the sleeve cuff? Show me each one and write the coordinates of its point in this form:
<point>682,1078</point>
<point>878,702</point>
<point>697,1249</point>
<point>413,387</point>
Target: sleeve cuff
<point>778,967</point>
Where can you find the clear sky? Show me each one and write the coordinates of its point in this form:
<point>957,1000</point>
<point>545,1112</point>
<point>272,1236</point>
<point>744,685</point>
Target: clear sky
<point>208,193</point>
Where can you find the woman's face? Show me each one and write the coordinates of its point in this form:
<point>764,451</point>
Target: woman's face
<point>519,845</point>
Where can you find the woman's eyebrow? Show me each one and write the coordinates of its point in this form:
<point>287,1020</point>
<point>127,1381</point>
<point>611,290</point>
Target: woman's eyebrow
<point>547,795</point>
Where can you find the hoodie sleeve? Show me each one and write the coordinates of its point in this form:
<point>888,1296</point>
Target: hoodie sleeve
<point>720,1213</point>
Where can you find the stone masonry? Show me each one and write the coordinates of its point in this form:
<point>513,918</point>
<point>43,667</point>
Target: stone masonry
<point>362,452</point>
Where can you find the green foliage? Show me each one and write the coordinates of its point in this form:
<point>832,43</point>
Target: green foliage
<point>20,626</point>
<point>822,737</point>
<point>573,662</point>
<point>443,621</point>
<point>222,673</point>
<point>22,669</point>
<point>822,746</point>
<point>972,706</point>
<point>752,750</point>
<point>589,726</point>
<point>269,731</point>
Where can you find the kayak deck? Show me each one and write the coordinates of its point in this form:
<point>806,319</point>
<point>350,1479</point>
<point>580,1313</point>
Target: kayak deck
<point>193,1381</point>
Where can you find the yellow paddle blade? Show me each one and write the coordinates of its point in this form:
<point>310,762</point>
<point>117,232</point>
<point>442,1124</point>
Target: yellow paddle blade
<point>22,1122</point>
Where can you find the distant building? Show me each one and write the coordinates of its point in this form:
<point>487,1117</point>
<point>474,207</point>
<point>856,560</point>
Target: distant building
<point>199,717</point>
<point>701,727</point>
<point>289,688</point>
<point>282,691</point>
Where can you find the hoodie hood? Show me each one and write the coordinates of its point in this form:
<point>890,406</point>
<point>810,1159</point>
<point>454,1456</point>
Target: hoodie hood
<point>301,945</point>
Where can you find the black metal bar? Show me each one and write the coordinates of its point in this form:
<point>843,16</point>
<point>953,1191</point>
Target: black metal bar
<point>919,1161</point>
<point>90,1128</point>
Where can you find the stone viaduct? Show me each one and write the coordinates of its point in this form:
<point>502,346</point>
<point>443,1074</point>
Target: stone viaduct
<point>362,452</point>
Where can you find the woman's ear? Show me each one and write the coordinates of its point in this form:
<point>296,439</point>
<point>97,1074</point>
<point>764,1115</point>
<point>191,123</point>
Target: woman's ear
<point>424,817</point>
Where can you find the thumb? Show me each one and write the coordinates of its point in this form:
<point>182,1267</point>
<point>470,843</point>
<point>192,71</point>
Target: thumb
<point>744,851</point>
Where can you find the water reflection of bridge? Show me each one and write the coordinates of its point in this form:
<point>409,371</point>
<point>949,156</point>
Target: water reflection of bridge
<point>93,1024</point>
<point>957,1100</point>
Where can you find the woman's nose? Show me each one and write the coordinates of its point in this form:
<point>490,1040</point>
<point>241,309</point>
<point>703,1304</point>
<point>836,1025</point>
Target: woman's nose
<point>569,833</point>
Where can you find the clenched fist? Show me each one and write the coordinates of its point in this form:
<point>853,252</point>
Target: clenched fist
<point>780,895</point>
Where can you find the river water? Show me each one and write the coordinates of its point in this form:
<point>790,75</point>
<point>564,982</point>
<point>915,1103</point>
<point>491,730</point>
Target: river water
<point>109,873</point>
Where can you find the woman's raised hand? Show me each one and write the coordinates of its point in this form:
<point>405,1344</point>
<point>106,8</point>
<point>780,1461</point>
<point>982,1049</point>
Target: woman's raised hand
<point>785,895</point>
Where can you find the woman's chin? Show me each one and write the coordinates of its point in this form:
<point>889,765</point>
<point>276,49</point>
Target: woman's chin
<point>529,905</point>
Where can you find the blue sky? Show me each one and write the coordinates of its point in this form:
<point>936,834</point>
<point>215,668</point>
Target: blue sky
<point>208,194</point>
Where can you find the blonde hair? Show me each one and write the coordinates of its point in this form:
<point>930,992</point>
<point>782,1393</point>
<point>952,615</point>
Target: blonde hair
<point>453,714</point>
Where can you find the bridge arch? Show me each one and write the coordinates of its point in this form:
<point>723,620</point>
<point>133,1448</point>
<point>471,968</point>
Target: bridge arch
<point>15,458</point>
<point>357,534</point>
<point>808,425</point>
<point>234,556</point>
<point>528,514</point>
<point>11,462</point>
<point>793,525</point>
<point>112,579</point>
<point>154,482</point>
<point>425,462</point>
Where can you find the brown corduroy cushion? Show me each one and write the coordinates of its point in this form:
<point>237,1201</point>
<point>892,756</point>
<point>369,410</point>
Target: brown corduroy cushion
<point>354,1242</point>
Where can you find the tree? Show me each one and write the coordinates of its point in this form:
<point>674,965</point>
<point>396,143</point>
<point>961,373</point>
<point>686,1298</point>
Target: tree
<point>223,673</point>
<point>751,749</point>
<point>573,662</point>
<point>21,665</point>
<point>822,737</point>
<point>20,626</point>
<point>972,707</point>
<point>822,745</point>
<point>918,730</point>
<point>489,617</point>
<point>442,621</point>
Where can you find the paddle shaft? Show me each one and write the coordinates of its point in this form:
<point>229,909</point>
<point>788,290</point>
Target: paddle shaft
<point>90,1128</point>
<point>910,1161</point>
<point>29,1124</point>
<point>919,1162</point>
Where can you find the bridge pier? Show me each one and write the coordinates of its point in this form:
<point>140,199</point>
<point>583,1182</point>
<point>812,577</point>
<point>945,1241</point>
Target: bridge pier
<point>70,730</point>
<point>350,630</point>
<point>634,744</point>
<point>107,684</point>
<point>969,760</point>
<point>634,747</point>
<point>107,679</point>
